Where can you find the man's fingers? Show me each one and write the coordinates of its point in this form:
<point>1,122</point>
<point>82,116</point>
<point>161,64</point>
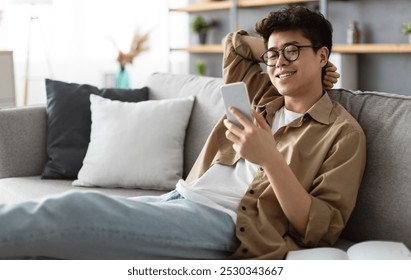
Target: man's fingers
<point>240,117</point>
<point>260,121</point>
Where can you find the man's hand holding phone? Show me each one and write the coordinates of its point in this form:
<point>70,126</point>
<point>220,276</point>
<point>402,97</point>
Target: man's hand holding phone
<point>253,140</point>
<point>236,95</point>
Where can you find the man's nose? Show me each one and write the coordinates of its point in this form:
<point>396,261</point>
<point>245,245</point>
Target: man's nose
<point>281,60</point>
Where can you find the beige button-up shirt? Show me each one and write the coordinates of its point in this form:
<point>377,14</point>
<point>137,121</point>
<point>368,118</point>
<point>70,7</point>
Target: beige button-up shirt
<point>325,148</point>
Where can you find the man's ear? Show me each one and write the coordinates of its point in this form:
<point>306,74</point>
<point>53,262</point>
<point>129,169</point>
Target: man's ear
<point>324,53</point>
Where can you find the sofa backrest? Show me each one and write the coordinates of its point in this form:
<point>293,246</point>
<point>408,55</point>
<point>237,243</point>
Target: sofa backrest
<point>383,206</point>
<point>208,107</point>
<point>382,210</point>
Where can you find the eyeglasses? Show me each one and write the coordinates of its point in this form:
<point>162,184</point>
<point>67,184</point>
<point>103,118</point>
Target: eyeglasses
<point>290,53</point>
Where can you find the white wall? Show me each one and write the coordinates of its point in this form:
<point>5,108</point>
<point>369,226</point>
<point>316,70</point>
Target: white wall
<point>76,37</point>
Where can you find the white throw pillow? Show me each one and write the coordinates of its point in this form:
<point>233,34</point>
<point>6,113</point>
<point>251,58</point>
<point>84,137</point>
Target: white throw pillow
<point>135,145</point>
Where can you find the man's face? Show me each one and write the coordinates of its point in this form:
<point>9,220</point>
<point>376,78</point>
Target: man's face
<point>299,77</point>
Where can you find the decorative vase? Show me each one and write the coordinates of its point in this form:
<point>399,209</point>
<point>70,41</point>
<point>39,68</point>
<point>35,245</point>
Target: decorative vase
<point>202,37</point>
<point>353,33</point>
<point>122,80</point>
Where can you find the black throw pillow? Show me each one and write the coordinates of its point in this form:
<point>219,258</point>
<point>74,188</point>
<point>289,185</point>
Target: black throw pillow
<point>69,124</point>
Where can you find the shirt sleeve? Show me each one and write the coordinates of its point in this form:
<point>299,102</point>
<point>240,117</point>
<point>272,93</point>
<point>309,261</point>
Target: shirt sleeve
<point>239,64</point>
<point>335,190</point>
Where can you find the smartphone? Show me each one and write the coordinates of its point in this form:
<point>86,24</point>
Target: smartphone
<point>236,95</point>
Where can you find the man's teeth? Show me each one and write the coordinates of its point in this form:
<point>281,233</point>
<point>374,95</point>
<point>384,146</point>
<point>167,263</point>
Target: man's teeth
<point>285,75</point>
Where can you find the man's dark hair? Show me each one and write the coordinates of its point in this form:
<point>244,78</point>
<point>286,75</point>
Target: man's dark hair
<point>312,24</point>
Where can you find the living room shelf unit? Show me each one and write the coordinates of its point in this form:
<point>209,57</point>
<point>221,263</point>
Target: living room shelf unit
<point>225,5</point>
<point>337,48</point>
<point>234,5</point>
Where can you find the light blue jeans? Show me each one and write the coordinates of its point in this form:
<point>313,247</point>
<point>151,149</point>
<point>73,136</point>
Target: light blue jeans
<point>96,226</point>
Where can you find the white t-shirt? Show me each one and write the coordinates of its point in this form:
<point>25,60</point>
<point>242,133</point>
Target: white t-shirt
<point>222,187</point>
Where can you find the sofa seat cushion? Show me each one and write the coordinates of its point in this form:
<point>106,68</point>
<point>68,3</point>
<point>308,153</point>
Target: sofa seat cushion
<point>21,189</point>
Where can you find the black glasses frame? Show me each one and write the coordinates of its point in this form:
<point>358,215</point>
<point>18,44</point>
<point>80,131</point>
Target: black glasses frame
<point>284,54</point>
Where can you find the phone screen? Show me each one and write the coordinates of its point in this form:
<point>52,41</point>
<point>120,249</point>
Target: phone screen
<point>236,95</point>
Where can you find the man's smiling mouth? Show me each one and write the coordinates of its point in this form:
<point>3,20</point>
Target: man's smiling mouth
<point>285,75</point>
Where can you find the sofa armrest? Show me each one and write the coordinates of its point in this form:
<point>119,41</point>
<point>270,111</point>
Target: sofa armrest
<point>22,141</point>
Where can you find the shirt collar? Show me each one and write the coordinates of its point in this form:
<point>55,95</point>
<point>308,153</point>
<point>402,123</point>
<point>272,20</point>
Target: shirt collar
<point>320,111</point>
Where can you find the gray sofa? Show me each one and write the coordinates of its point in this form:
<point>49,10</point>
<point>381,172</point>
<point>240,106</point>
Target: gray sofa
<point>382,211</point>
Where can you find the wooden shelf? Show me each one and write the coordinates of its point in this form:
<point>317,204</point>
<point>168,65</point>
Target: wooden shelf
<point>201,49</point>
<point>261,3</point>
<point>204,6</point>
<point>337,48</point>
<point>225,5</point>
<point>372,48</point>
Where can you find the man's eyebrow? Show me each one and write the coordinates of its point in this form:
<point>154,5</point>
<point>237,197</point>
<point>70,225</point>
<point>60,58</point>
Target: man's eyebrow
<point>284,45</point>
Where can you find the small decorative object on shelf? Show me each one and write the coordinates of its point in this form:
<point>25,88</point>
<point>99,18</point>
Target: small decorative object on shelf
<point>138,45</point>
<point>122,79</point>
<point>201,27</point>
<point>406,30</point>
<point>201,67</point>
<point>353,33</point>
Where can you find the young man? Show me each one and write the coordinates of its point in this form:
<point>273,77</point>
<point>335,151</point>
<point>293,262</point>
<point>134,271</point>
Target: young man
<point>288,180</point>
<point>303,181</point>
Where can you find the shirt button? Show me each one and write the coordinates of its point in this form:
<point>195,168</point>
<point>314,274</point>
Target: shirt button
<point>242,229</point>
<point>251,191</point>
<point>244,250</point>
<point>244,208</point>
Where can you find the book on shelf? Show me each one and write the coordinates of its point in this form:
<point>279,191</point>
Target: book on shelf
<point>367,250</point>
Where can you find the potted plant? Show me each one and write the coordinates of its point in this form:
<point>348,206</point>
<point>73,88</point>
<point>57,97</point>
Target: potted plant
<point>406,30</point>
<point>201,27</point>
<point>201,67</point>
